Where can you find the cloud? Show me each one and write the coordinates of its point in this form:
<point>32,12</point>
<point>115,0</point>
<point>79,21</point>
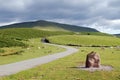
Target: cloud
<point>14,5</point>
<point>102,15</point>
<point>8,23</point>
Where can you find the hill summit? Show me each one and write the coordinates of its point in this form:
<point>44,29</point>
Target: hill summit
<point>52,26</point>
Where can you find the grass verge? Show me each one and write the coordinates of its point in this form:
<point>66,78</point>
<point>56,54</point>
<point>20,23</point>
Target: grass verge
<point>65,68</point>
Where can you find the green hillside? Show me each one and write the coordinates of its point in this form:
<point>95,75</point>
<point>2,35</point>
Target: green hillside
<point>93,33</point>
<point>15,36</point>
<point>85,40</point>
<point>50,26</point>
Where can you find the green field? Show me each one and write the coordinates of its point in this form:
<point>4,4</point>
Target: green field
<point>35,49</point>
<point>85,40</point>
<point>14,36</point>
<point>27,33</point>
<point>20,44</point>
<point>94,33</point>
<point>65,68</point>
<point>17,44</point>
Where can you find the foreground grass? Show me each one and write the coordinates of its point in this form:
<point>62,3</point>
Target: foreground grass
<point>85,40</point>
<point>65,68</point>
<point>35,49</point>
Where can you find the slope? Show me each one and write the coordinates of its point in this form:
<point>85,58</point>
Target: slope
<point>14,36</point>
<point>85,40</point>
<point>47,25</point>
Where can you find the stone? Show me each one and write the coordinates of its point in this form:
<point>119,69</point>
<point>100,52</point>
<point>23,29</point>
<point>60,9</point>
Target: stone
<point>92,60</point>
<point>44,40</point>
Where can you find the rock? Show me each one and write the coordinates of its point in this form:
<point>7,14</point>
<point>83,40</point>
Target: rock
<point>44,40</point>
<point>92,60</point>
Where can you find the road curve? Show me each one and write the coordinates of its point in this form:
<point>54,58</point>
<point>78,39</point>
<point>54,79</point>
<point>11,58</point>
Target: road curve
<point>13,68</point>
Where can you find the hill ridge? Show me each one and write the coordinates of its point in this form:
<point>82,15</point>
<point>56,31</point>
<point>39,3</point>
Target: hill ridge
<point>48,24</point>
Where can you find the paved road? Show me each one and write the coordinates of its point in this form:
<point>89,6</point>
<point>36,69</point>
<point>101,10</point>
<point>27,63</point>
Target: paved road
<point>13,68</point>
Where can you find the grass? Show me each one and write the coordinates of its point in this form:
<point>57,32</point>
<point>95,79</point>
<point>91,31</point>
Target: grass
<point>35,49</point>
<point>13,37</point>
<point>64,68</point>
<point>85,40</point>
<point>2,51</point>
<point>28,33</point>
<point>94,33</point>
<point>50,28</point>
<point>11,51</point>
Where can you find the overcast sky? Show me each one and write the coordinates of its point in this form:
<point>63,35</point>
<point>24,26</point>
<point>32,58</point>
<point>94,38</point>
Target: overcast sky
<point>103,15</point>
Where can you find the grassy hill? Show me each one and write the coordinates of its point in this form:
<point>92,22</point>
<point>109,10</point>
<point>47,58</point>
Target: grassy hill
<point>93,33</point>
<point>46,25</point>
<point>14,36</point>
<point>27,33</point>
<point>85,40</point>
<point>28,38</point>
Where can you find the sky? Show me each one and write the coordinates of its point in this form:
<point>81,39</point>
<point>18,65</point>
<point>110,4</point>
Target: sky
<point>103,15</point>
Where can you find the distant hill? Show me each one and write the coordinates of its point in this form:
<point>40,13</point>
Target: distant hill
<point>50,26</point>
<point>118,35</point>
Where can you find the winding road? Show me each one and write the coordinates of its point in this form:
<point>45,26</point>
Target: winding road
<point>13,68</point>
